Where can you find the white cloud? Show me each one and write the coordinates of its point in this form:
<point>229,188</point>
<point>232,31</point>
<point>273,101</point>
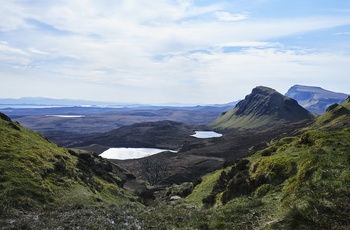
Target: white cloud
<point>226,16</point>
<point>342,33</point>
<point>36,51</point>
<point>6,48</point>
<point>117,44</point>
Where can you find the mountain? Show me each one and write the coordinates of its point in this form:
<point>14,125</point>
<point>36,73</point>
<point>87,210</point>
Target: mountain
<point>35,172</point>
<point>264,106</point>
<point>297,182</point>
<point>315,99</point>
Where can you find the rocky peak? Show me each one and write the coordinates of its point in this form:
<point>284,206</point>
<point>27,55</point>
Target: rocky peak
<point>263,90</point>
<point>267,101</point>
<point>261,107</point>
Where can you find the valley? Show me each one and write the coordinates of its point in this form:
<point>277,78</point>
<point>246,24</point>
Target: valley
<point>274,166</point>
<point>86,121</point>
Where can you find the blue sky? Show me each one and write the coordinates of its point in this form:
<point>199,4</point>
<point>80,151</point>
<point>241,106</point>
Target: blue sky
<point>185,51</point>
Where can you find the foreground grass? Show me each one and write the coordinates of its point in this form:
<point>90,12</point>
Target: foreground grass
<point>124,216</point>
<point>36,173</point>
<point>300,182</point>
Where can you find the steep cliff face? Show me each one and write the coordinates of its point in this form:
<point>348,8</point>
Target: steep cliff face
<point>315,99</point>
<point>264,106</point>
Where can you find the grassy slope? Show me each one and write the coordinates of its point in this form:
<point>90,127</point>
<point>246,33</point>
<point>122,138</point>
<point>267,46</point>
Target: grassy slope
<point>231,121</point>
<point>35,172</point>
<point>335,116</point>
<point>203,189</point>
<point>297,182</point>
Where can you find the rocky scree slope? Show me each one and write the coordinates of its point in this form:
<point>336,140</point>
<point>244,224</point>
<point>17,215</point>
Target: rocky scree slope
<point>264,106</point>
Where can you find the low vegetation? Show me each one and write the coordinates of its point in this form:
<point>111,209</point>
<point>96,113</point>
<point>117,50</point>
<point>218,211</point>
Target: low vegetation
<point>35,172</point>
<point>297,182</point>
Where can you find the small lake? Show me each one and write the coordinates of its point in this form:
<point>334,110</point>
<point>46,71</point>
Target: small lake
<point>130,153</point>
<point>206,134</point>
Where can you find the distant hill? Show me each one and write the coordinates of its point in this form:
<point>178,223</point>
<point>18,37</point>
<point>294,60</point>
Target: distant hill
<point>159,134</point>
<point>47,101</point>
<point>35,102</point>
<point>315,99</point>
<point>264,106</point>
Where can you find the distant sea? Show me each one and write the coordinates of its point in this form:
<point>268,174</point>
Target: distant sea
<point>6,106</point>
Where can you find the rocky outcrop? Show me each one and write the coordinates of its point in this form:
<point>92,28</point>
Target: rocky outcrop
<point>92,164</point>
<point>4,117</point>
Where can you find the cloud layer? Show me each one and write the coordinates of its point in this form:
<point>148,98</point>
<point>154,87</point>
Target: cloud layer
<point>169,51</point>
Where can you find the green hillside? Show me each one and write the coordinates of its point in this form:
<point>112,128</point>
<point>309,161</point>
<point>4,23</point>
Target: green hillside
<point>300,182</point>
<point>297,182</point>
<point>336,116</point>
<point>35,172</point>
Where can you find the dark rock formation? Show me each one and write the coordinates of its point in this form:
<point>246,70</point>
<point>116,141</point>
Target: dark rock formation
<point>266,101</point>
<point>4,117</point>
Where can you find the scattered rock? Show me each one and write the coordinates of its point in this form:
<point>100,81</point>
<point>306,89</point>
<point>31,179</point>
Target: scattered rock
<point>181,190</point>
<point>173,198</point>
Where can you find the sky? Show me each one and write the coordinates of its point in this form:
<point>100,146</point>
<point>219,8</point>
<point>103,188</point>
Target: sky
<point>171,51</point>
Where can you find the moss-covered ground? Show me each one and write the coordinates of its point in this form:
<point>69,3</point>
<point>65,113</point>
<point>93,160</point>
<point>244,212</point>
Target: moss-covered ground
<point>296,183</point>
<point>35,172</point>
